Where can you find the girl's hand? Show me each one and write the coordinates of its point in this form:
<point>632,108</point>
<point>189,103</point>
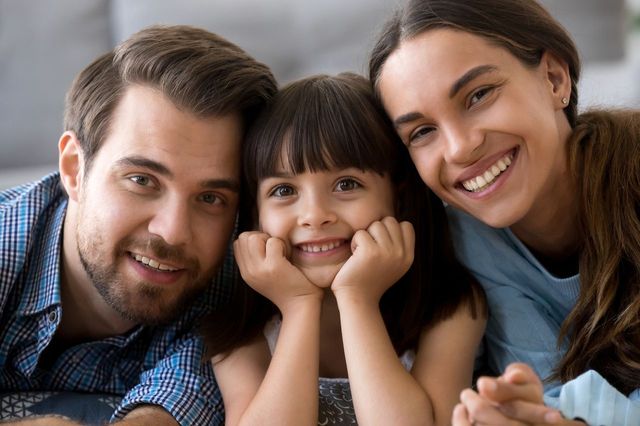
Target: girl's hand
<point>382,254</point>
<point>264,266</point>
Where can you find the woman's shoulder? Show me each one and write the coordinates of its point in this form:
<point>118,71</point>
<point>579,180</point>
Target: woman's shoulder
<point>471,235</point>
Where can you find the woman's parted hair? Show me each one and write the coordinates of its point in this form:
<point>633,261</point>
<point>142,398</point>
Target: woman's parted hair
<point>200,72</point>
<point>523,27</point>
<point>325,122</point>
<point>604,156</point>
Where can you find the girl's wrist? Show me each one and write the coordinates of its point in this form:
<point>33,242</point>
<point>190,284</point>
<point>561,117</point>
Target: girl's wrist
<point>301,304</point>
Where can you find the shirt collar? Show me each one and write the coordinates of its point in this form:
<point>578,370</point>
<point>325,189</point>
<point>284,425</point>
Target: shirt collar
<point>42,267</point>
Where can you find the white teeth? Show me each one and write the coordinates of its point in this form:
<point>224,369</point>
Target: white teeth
<point>313,248</point>
<point>480,182</point>
<point>153,263</point>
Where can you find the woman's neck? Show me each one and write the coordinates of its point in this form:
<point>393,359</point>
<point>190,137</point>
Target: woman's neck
<point>551,229</point>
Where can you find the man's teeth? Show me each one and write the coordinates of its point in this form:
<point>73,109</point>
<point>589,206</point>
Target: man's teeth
<point>479,183</point>
<point>153,263</point>
<point>317,248</point>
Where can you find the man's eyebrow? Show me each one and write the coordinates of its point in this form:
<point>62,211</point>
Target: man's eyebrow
<point>138,161</point>
<point>470,75</point>
<point>230,184</point>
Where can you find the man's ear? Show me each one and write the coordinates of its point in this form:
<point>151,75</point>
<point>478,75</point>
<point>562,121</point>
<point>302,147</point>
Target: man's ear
<point>557,74</point>
<point>70,163</point>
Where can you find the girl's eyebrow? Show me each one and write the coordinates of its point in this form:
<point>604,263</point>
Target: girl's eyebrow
<point>279,174</point>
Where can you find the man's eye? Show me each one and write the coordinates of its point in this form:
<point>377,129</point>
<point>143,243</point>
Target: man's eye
<point>347,185</point>
<point>140,180</point>
<point>282,191</point>
<point>210,198</point>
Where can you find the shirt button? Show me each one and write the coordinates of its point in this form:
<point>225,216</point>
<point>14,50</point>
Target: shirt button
<point>53,316</point>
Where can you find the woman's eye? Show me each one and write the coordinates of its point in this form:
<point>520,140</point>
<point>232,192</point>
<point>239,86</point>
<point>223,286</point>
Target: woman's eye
<point>347,185</point>
<point>282,191</point>
<point>478,95</point>
<point>420,133</point>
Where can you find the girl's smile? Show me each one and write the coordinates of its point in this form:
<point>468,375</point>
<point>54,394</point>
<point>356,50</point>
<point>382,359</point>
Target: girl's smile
<point>317,213</point>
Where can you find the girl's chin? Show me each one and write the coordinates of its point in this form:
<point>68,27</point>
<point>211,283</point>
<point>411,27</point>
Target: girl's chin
<point>321,276</point>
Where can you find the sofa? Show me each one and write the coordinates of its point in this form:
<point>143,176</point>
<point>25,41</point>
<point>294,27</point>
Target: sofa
<point>44,43</point>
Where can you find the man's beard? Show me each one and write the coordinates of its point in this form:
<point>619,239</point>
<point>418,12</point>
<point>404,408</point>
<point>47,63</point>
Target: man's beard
<point>143,303</point>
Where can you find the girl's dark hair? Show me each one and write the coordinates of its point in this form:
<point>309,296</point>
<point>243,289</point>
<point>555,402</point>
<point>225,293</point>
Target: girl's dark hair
<point>603,328</point>
<point>523,27</point>
<point>323,123</point>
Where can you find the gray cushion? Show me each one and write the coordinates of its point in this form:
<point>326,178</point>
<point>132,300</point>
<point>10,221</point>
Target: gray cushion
<point>43,44</point>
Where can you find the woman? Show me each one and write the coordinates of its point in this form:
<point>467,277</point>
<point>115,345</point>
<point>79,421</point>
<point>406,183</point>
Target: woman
<point>543,201</point>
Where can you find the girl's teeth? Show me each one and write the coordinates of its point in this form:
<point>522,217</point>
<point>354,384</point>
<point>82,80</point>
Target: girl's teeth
<point>318,248</point>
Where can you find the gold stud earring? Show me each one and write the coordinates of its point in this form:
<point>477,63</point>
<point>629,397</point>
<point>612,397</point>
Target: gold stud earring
<point>565,101</point>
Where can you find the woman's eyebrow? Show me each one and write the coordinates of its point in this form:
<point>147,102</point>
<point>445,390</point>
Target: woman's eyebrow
<point>469,76</point>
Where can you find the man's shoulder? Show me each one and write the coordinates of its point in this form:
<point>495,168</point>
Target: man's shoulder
<point>28,196</point>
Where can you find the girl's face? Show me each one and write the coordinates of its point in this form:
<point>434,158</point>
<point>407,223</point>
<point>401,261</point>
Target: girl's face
<point>316,214</point>
<point>486,132</point>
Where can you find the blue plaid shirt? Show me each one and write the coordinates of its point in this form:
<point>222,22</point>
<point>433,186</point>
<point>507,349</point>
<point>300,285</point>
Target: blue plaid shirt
<point>148,365</point>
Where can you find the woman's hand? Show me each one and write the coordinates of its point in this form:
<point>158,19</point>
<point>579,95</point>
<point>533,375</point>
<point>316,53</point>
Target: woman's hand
<point>382,254</point>
<point>514,398</point>
<point>264,266</point>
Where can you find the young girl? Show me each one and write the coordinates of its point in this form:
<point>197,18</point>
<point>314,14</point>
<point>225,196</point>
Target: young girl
<point>333,250</point>
<point>543,201</point>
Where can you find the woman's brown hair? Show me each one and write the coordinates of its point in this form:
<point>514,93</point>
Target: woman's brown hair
<point>604,157</point>
<point>604,325</point>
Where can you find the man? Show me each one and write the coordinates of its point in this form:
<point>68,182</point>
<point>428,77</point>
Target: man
<point>106,266</point>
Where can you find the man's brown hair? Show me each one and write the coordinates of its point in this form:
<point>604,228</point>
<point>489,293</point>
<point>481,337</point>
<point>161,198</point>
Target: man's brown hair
<point>200,72</point>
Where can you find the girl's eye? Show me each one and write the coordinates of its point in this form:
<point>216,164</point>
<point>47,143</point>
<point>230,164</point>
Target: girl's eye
<point>479,94</point>
<point>347,184</point>
<point>419,134</point>
<point>282,191</point>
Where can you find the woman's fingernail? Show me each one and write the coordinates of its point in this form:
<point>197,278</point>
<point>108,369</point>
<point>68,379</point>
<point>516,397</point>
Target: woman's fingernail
<point>552,417</point>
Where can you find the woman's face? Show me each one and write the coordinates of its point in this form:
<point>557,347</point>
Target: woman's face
<point>485,131</point>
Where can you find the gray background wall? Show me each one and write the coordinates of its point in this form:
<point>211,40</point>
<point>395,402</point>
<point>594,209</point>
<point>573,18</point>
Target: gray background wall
<point>44,43</point>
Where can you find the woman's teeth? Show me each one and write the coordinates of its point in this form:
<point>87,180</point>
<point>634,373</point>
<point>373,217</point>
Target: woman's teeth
<point>153,263</point>
<point>317,248</point>
<point>481,182</point>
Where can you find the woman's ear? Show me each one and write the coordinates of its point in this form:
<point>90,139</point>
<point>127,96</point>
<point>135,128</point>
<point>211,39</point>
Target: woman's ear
<point>70,163</point>
<point>557,74</point>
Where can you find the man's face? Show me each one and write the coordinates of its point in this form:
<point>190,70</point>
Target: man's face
<point>156,209</point>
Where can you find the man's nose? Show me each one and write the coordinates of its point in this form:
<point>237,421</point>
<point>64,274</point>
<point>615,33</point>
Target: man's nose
<point>172,222</point>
